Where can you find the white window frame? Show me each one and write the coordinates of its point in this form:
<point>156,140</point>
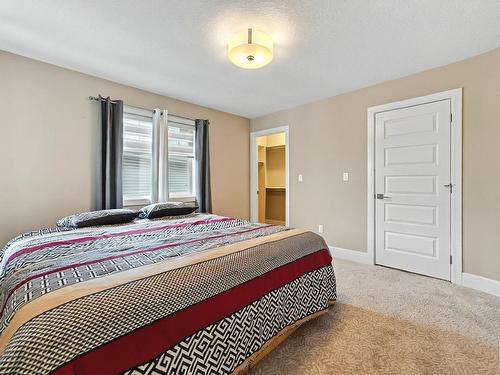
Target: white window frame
<point>159,181</point>
<point>179,198</point>
<point>145,113</point>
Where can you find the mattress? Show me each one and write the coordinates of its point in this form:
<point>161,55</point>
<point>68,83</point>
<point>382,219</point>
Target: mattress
<point>199,294</point>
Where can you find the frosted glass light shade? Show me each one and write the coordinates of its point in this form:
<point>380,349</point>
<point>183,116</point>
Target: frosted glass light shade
<point>250,49</point>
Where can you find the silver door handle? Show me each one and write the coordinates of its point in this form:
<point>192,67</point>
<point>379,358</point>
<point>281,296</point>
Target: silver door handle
<point>382,196</point>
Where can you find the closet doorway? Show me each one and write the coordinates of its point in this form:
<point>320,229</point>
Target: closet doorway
<point>269,176</point>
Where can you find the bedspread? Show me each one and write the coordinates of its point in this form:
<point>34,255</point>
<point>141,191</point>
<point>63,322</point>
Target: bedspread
<point>197,294</point>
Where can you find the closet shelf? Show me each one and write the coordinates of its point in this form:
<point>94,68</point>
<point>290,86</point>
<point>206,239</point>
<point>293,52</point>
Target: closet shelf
<point>276,188</point>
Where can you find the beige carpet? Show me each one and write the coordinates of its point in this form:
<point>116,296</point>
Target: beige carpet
<point>392,322</point>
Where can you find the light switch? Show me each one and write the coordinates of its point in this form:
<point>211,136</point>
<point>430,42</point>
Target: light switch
<point>320,228</point>
<point>300,178</point>
<point>345,176</point>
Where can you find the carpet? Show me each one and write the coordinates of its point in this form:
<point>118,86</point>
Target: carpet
<point>391,322</point>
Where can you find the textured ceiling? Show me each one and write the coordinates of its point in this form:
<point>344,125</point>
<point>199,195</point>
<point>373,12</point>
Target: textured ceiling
<point>178,48</point>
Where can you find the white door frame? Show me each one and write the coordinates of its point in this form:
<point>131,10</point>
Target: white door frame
<point>253,171</point>
<point>455,97</point>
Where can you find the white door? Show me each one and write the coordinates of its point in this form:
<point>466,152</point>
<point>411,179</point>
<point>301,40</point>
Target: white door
<point>412,177</point>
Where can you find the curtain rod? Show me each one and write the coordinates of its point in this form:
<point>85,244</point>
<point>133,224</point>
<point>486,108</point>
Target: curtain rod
<point>95,98</point>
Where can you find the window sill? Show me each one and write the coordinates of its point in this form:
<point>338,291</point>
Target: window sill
<point>182,199</point>
<point>132,203</point>
<point>136,202</point>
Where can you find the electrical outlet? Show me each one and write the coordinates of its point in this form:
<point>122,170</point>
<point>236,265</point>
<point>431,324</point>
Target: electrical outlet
<point>320,228</point>
<point>300,178</point>
<point>345,176</point>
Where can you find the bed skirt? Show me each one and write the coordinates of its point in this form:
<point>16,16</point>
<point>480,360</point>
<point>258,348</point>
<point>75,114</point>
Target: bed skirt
<point>272,344</point>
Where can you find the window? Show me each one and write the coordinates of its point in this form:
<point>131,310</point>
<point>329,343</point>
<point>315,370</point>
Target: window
<point>145,177</point>
<point>180,158</point>
<point>137,169</point>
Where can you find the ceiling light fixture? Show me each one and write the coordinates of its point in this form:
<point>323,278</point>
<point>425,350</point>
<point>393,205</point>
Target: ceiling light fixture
<point>250,49</point>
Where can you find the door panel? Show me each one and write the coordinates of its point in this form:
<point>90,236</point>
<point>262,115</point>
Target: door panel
<point>410,214</point>
<point>426,185</point>
<point>422,154</point>
<point>408,243</point>
<point>412,165</point>
<point>423,123</point>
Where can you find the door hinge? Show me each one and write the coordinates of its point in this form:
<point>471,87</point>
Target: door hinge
<point>450,186</point>
<point>451,259</point>
<point>451,117</point>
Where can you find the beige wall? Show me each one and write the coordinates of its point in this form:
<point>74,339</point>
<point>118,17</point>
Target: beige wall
<point>48,144</point>
<point>277,139</point>
<point>275,164</point>
<point>271,140</point>
<point>276,199</point>
<point>275,207</point>
<point>328,137</point>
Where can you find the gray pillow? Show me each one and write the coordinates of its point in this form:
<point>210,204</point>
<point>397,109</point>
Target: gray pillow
<point>102,217</point>
<point>167,209</point>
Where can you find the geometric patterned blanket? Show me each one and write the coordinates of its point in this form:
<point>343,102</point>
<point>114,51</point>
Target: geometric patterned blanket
<point>197,294</point>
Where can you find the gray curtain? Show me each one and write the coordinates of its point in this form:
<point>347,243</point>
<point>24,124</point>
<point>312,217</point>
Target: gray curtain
<point>109,155</point>
<point>203,193</point>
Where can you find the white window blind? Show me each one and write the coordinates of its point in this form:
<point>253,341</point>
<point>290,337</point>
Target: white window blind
<point>137,156</point>
<point>181,158</point>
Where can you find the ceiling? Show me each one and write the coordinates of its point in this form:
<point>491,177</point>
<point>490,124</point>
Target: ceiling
<point>178,48</point>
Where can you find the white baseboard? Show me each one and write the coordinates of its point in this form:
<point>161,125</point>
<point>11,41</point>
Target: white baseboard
<point>352,255</point>
<point>481,283</point>
<point>469,280</point>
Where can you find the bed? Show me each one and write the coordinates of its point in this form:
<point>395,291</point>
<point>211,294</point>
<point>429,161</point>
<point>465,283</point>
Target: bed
<point>198,294</point>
